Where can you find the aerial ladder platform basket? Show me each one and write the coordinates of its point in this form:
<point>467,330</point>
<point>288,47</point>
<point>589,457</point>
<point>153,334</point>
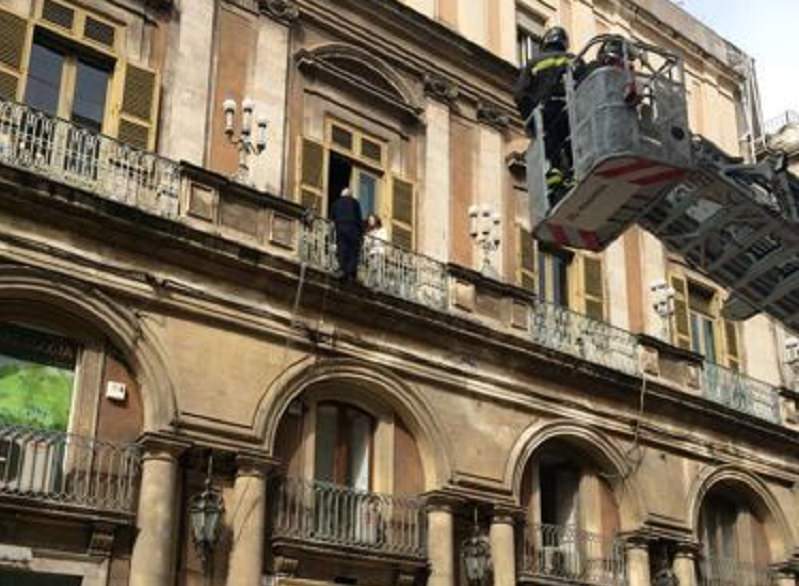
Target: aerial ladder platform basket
<point>636,161</point>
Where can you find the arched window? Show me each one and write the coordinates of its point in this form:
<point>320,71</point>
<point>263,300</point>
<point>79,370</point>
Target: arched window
<point>734,541</point>
<point>343,453</point>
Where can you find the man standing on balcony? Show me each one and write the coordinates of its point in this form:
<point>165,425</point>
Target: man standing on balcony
<point>347,217</point>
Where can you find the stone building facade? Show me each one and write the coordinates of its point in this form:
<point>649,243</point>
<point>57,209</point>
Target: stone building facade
<point>157,316</point>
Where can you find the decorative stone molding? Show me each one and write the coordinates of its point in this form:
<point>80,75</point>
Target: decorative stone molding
<point>492,115</point>
<point>283,10</point>
<point>102,540</point>
<point>440,88</point>
<point>254,465</point>
<point>286,566</point>
<point>361,72</point>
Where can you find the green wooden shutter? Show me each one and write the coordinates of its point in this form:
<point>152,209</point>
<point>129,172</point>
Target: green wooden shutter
<point>681,324</point>
<point>402,213</point>
<point>135,109</point>
<point>526,259</point>
<point>13,48</point>
<point>593,288</point>
<point>312,164</point>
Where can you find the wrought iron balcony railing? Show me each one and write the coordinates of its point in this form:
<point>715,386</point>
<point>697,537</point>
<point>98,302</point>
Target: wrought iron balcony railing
<point>383,266</point>
<point>327,514</point>
<point>740,392</point>
<point>561,329</point>
<point>731,572</point>
<point>65,152</point>
<point>569,554</point>
<point>63,468</point>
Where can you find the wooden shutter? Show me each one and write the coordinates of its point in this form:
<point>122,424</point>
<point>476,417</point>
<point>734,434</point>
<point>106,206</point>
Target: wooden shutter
<point>135,109</point>
<point>402,213</point>
<point>527,259</point>
<point>593,288</point>
<point>681,323</point>
<point>14,39</point>
<point>731,345</point>
<point>312,165</point>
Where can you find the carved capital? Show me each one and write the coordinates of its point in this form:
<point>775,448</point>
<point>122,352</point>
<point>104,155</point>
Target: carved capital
<point>253,464</point>
<point>162,446</point>
<point>492,115</point>
<point>283,10</point>
<point>440,88</point>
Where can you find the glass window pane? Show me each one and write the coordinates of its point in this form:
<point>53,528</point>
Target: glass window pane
<point>559,281</point>
<point>91,86</point>
<point>542,276</point>
<point>326,428</point>
<point>37,375</point>
<point>44,79</point>
<point>366,192</point>
<point>360,436</point>
<point>696,336</point>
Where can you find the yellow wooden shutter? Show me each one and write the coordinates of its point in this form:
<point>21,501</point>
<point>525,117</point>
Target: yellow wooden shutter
<point>681,323</point>
<point>731,345</point>
<point>527,263</point>
<point>402,213</point>
<point>593,287</point>
<point>312,164</point>
<point>14,40</point>
<point>135,105</point>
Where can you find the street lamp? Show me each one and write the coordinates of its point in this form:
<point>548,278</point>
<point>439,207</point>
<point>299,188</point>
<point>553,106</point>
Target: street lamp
<point>484,229</point>
<point>205,513</point>
<point>663,304</point>
<point>476,555</point>
<point>244,143</point>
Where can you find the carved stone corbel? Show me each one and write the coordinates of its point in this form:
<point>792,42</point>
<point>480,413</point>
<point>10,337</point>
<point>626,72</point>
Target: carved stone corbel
<point>283,10</point>
<point>102,540</point>
<point>440,88</point>
<point>492,115</point>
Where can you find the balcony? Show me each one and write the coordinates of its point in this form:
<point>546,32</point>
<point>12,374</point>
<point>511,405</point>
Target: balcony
<point>343,520</point>
<point>740,392</point>
<point>731,572</point>
<point>383,267</point>
<point>563,553</point>
<point>561,329</point>
<point>62,151</point>
<point>38,466</point>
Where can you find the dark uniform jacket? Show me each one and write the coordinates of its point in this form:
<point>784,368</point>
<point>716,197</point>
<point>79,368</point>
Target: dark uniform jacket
<point>541,80</point>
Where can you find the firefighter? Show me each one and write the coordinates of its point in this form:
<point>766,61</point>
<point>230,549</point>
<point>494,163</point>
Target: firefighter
<point>542,83</point>
<point>348,220</point>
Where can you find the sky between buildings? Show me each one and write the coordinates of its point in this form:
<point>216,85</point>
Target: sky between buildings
<point>768,30</point>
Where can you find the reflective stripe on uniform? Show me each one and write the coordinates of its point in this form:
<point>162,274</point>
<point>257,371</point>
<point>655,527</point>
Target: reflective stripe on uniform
<point>550,62</point>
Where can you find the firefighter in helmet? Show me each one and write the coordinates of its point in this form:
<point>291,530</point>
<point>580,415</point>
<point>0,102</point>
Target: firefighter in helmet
<point>541,83</point>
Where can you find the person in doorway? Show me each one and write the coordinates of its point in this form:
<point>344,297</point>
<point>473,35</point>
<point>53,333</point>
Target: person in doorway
<point>375,247</point>
<point>348,221</point>
<point>541,83</point>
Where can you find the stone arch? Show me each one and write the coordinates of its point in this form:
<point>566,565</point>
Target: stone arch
<point>754,490</point>
<point>128,334</point>
<point>359,68</point>
<point>602,450</point>
<point>402,397</point>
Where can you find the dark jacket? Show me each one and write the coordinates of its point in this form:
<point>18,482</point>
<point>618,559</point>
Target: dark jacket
<point>541,80</point>
<point>346,213</point>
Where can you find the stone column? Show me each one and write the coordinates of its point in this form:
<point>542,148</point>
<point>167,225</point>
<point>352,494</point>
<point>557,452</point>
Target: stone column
<point>440,548</point>
<point>685,563</point>
<point>637,552</point>
<point>503,547</point>
<point>247,521</point>
<point>153,559</point>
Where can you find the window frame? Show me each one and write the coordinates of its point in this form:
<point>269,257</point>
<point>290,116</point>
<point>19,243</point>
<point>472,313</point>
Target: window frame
<point>342,450</point>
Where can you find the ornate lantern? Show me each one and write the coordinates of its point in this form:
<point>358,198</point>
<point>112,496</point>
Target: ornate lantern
<point>206,512</point>
<point>476,555</point>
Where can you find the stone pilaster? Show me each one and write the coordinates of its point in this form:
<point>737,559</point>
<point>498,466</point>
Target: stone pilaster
<point>440,540</point>
<point>636,549</point>
<point>247,520</point>
<point>685,555</point>
<point>503,545</point>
